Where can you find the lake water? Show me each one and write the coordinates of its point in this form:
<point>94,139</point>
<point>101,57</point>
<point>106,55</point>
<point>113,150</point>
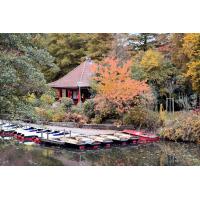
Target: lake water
<point>154,154</point>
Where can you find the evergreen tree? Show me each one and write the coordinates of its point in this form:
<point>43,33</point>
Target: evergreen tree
<point>71,49</point>
<point>20,66</point>
<point>142,41</point>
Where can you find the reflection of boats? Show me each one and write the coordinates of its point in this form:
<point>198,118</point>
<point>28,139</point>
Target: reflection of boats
<point>143,136</point>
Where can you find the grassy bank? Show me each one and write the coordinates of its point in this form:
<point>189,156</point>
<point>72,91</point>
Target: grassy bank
<point>183,126</point>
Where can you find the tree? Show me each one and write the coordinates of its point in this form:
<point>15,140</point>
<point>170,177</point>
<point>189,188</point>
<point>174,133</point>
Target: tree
<point>142,41</point>
<point>151,60</point>
<point>20,66</point>
<point>70,49</point>
<point>116,85</point>
<point>191,47</point>
<point>159,73</point>
<point>120,49</point>
<point>98,45</point>
<point>178,57</point>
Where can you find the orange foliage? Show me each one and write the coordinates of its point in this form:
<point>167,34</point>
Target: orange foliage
<point>115,83</point>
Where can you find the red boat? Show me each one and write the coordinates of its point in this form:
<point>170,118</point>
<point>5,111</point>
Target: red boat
<point>143,136</point>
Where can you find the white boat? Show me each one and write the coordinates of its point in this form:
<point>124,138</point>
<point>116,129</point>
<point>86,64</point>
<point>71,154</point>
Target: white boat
<point>72,141</point>
<point>112,137</point>
<point>85,140</point>
<point>100,139</point>
<point>124,136</point>
<point>54,134</point>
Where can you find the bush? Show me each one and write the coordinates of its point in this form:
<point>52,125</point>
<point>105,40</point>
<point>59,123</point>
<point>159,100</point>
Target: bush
<point>58,116</point>
<point>47,99</point>
<point>67,103</point>
<point>104,109</point>
<point>44,114</point>
<point>142,118</point>
<point>186,127</point>
<point>97,120</point>
<point>78,109</point>
<point>74,117</point>
<point>25,111</point>
<point>88,108</point>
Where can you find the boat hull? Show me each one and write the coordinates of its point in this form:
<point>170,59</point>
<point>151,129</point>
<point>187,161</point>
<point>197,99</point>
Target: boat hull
<point>143,138</point>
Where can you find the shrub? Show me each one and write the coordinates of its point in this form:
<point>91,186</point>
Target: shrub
<point>74,117</point>
<point>47,99</point>
<point>88,108</point>
<point>77,109</point>
<point>97,120</point>
<point>44,114</point>
<point>186,127</point>
<point>105,109</point>
<point>142,118</point>
<point>58,116</point>
<point>25,111</point>
<point>67,103</point>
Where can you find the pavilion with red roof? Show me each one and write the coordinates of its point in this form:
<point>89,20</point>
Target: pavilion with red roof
<point>76,83</point>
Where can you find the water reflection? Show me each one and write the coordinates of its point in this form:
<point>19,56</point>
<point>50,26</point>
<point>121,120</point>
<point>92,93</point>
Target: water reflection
<point>156,154</point>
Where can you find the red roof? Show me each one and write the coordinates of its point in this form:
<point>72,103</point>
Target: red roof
<point>82,73</point>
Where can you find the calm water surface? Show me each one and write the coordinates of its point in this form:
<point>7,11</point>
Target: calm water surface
<point>156,154</point>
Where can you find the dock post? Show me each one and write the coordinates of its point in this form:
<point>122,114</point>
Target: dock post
<point>47,136</point>
<point>70,133</point>
<point>41,134</point>
<point>64,133</point>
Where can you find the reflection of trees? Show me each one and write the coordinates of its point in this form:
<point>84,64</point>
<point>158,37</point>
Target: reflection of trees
<point>26,155</point>
<point>141,155</point>
<point>162,153</point>
<point>179,153</point>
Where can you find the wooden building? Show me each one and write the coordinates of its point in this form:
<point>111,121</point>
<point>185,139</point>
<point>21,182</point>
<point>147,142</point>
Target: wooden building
<point>76,83</point>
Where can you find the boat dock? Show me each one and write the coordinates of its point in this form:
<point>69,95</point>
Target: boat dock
<point>76,138</point>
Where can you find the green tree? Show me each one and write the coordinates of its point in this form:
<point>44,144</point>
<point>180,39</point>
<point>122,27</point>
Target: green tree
<point>20,65</point>
<point>98,45</point>
<point>142,41</point>
<point>70,49</point>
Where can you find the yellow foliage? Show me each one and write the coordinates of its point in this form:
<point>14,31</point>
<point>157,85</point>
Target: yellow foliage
<point>151,60</point>
<point>194,73</point>
<point>191,48</point>
<point>191,45</point>
<point>162,113</point>
<point>31,98</point>
<point>58,116</point>
<point>47,99</point>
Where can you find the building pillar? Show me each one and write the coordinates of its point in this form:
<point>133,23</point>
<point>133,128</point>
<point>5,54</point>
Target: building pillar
<point>58,93</point>
<point>79,95</point>
<point>69,93</point>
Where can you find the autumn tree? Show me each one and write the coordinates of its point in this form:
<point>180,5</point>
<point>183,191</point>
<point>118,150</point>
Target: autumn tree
<point>115,84</point>
<point>159,73</point>
<point>178,57</point>
<point>191,47</point>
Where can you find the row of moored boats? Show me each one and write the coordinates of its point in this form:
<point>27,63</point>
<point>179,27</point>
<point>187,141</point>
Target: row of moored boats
<point>29,134</point>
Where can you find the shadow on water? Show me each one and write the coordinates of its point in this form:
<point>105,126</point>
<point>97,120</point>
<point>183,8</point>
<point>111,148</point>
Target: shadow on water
<point>155,154</point>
